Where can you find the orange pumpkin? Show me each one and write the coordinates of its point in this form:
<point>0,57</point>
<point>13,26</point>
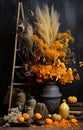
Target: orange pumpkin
<point>26,116</point>
<point>20,119</point>
<point>37,116</point>
<point>48,121</point>
<point>72,99</point>
<point>73,120</point>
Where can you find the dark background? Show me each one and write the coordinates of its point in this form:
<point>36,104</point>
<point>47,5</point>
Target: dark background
<point>71,17</point>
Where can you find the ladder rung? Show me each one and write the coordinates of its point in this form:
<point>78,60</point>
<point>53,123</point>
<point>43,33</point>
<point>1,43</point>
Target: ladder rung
<point>21,84</point>
<point>18,67</point>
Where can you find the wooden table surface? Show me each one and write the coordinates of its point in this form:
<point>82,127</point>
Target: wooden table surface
<point>43,128</point>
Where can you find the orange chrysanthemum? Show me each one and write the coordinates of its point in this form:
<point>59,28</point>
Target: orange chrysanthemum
<point>51,60</point>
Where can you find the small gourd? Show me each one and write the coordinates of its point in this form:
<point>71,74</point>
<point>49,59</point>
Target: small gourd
<point>71,117</point>
<point>72,99</point>
<point>56,117</point>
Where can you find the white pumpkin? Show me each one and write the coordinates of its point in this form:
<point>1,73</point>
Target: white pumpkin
<point>56,117</point>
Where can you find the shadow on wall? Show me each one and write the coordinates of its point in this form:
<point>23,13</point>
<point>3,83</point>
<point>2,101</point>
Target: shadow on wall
<point>71,17</point>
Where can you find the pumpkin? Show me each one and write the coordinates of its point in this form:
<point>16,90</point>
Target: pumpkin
<point>56,117</point>
<point>20,119</point>
<point>73,121</point>
<point>72,99</point>
<point>37,116</point>
<point>48,121</point>
<point>26,116</point>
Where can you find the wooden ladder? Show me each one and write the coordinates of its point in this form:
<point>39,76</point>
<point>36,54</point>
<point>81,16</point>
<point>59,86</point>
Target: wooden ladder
<point>20,15</point>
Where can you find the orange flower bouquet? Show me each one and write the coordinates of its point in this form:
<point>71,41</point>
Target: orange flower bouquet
<point>52,54</point>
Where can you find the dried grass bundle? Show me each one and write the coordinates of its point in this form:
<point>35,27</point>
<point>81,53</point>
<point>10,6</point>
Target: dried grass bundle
<point>47,23</point>
<point>25,30</point>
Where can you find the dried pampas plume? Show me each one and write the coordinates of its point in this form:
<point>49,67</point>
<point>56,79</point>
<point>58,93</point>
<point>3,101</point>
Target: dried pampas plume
<point>47,23</point>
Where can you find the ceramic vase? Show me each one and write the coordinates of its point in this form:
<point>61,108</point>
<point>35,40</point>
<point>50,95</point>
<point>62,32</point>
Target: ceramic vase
<point>64,109</point>
<point>51,96</point>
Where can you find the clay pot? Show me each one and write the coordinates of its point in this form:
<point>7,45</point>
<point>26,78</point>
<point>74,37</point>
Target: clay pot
<point>31,102</point>
<point>20,100</point>
<point>51,96</point>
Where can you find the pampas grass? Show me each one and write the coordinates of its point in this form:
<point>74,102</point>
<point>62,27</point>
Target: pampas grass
<point>47,23</point>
